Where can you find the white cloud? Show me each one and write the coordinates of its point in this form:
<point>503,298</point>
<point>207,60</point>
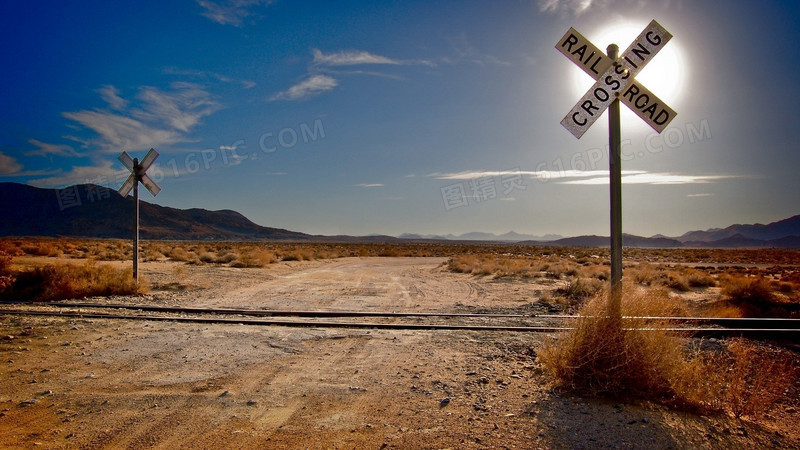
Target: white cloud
<point>586,177</point>
<point>182,108</point>
<point>574,6</point>
<point>143,127</point>
<point>369,185</point>
<point>350,58</point>
<point>540,174</point>
<point>360,57</point>
<point>44,149</point>
<point>314,85</point>
<point>111,95</point>
<point>119,133</point>
<point>654,178</point>
<point>210,76</point>
<point>230,12</point>
<point>9,165</point>
<point>699,195</point>
<point>578,7</point>
<point>104,174</point>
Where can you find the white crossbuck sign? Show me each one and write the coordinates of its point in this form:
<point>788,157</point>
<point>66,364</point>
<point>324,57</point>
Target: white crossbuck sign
<point>139,173</point>
<point>615,79</point>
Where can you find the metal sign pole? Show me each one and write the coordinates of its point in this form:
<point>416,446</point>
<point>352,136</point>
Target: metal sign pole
<point>138,175</point>
<point>136,222</point>
<point>615,183</point>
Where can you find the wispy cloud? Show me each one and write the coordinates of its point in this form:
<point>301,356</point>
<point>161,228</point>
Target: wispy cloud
<point>111,95</point>
<point>586,177</point>
<point>206,75</point>
<point>45,149</point>
<point>699,195</point>
<point>142,127</point>
<point>230,12</point>
<point>350,58</point>
<point>573,6</point>
<point>182,108</point>
<point>314,85</point>
<point>9,165</point>
<point>106,174</point>
<point>578,7</point>
<point>369,185</point>
<point>540,174</point>
<point>655,178</point>
<point>324,66</point>
<point>466,53</point>
<point>360,57</point>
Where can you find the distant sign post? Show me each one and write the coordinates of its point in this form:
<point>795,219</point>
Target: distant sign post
<point>614,81</point>
<point>138,175</point>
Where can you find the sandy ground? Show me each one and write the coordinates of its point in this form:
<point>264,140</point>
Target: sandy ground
<point>78,383</point>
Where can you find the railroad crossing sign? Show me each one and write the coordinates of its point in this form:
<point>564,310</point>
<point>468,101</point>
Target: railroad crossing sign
<point>615,79</point>
<point>138,174</point>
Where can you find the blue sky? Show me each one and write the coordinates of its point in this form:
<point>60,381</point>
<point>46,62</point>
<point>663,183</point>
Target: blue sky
<point>390,117</point>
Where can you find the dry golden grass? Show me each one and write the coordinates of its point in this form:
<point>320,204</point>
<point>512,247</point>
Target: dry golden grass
<point>254,257</point>
<point>601,356</point>
<point>580,289</point>
<point>64,281</point>
<point>606,356</point>
<point>745,296</point>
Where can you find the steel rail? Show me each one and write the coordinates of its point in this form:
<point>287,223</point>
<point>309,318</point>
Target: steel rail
<point>728,322</point>
<point>277,312</point>
<point>695,331</point>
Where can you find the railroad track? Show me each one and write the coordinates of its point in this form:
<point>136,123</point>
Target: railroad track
<point>697,326</point>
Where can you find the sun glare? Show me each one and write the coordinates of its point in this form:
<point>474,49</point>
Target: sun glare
<point>664,75</point>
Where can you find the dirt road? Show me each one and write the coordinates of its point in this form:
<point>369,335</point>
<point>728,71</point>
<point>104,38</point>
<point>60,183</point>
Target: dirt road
<point>103,383</point>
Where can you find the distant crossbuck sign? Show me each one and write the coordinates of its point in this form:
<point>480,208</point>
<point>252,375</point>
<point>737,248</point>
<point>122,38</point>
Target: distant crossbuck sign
<point>139,173</point>
<point>615,79</point>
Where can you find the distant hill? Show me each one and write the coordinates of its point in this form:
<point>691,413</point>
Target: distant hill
<point>756,232</point>
<point>93,211</point>
<point>628,240</point>
<point>511,236</point>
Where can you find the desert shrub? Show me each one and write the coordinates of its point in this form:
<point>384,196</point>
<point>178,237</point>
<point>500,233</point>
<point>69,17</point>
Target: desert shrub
<point>6,278</point>
<point>497,265</point>
<point>746,290</point>
<point>700,279</point>
<point>675,280</point>
<point>11,248</point>
<point>207,257</point>
<point>751,297</point>
<point>255,258</point>
<point>757,379</point>
<point>180,254</point>
<point>389,251</point>
<point>601,356</point>
<point>633,358</point>
<point>580,289</point>
<point>5,262</point>
<point>41,248</point>
<point>56,282</point>
<point>151,254</point>
<point>226,257</point>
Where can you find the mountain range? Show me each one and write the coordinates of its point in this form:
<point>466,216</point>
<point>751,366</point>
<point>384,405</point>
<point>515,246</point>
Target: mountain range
<point>93,211</point>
